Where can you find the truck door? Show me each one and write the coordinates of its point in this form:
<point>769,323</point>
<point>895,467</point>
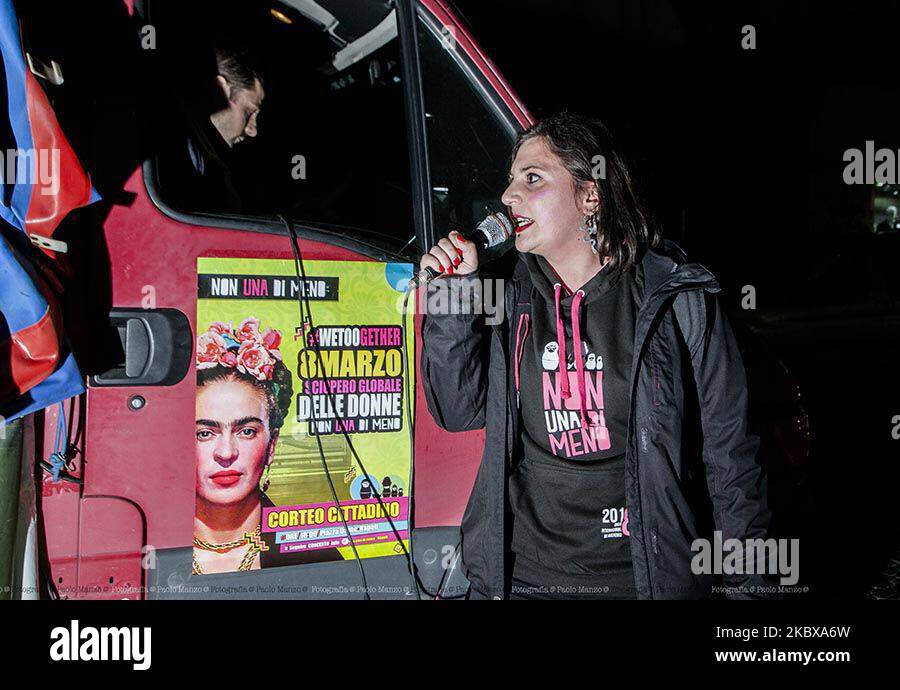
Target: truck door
<point>376,127</point>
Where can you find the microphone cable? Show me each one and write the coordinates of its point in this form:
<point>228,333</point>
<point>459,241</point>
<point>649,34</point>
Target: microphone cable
<point>303,299</point>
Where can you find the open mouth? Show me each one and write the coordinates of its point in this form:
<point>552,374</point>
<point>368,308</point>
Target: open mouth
<point>522,223</point>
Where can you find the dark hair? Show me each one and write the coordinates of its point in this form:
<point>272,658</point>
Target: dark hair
<point>625,229</point>
<point>238,68</point>
<point>278,390</point>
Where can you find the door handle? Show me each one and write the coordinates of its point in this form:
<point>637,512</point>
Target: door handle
<point>157,345</point>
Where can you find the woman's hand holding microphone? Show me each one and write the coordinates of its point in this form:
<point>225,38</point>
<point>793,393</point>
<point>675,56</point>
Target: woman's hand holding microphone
<point>452,255</point>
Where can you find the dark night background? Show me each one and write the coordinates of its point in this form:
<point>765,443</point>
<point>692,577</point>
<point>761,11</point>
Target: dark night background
<point>739,154</point>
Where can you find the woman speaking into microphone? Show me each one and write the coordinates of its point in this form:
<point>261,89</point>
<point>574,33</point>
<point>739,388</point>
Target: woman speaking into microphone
<point>612,392</point>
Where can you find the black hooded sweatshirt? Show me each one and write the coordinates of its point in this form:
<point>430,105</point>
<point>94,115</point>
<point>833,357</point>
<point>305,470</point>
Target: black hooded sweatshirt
<point>567,491</point>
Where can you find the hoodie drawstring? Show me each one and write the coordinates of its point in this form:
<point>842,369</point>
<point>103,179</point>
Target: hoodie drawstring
<point>561,346</point>
<point>579,359</point>
<point>565,392</point>
<point>521,334</point>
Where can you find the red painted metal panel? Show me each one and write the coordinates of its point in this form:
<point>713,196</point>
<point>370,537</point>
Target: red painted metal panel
<point>60,506</point>
<point>147,456</point>
<point>111,543</point>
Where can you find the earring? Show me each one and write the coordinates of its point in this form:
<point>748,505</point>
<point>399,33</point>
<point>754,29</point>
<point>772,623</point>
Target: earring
<point>265,486</point>
<point>589,227</point>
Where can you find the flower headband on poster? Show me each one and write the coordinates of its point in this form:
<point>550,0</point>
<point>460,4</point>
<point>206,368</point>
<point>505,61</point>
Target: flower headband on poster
<point>244,348</point>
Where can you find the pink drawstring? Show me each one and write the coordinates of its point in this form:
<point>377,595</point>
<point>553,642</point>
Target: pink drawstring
<point>561,344</point>
<point>579,358</point>
<point>521,334</point>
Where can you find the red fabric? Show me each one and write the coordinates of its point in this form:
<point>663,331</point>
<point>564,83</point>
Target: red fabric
<point>30,356</point>
<point>45,211</point>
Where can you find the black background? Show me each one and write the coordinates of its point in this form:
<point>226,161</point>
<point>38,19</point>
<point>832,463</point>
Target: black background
<point>258,642</point>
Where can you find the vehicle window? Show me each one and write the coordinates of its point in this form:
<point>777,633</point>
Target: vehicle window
<point>320,138</point>
<point>468,140</point>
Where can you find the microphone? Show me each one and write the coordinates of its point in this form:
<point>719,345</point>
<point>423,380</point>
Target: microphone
<point>493,230</point>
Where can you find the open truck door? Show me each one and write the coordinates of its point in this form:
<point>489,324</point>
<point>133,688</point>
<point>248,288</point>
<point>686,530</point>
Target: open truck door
<point>383,127</point>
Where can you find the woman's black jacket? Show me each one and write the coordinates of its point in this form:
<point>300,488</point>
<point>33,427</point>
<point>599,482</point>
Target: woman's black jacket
<point>690,460</point>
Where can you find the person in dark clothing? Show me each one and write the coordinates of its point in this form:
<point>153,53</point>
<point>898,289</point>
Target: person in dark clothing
<point>200,157</point>
<point>613,351</point>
